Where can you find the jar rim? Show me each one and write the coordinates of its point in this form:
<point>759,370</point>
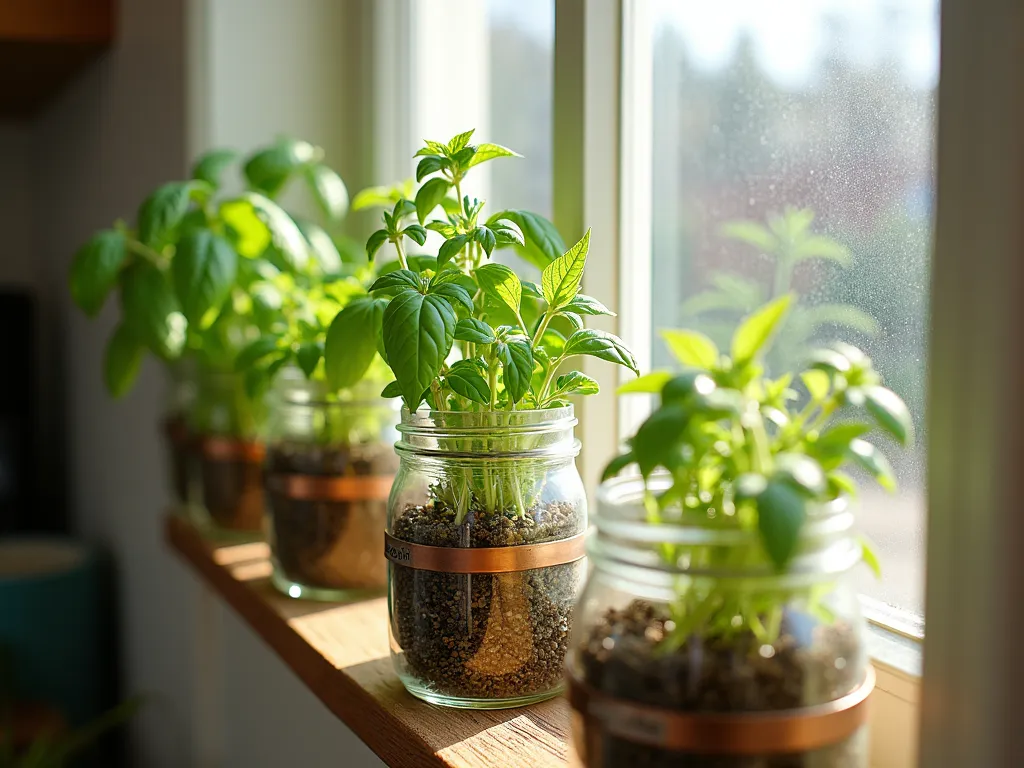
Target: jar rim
<point>428,422</point>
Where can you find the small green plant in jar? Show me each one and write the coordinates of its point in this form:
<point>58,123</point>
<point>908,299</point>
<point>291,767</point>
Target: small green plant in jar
<point>718,622</point>
<point>484,535</point>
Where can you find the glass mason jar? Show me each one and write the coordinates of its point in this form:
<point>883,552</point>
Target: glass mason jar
<point>689,648</point>
<point>181,396</point>
<point>485,549</point>
<point>328,473</point>
<point>224,425</point>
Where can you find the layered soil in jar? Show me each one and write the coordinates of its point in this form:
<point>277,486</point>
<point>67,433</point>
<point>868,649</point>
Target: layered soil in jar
<point>233,492</point>
<point>486,636</point>
<point>325,543</point>
<point>809,664</point>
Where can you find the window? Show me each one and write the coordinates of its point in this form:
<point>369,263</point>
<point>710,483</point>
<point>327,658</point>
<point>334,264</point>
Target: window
<point>793,152</point>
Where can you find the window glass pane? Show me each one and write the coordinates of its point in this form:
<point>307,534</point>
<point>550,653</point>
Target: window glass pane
<point>788,110</point>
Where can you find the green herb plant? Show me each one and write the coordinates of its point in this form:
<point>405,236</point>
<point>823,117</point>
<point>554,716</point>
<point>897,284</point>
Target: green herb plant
<point>466,334</point>
<point>747,453</point>
<point>788,241</point>
<point>203,271</point>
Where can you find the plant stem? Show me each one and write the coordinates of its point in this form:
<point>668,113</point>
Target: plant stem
<point>543,326</point>
<point>401,252</point>
<point>143,250</point>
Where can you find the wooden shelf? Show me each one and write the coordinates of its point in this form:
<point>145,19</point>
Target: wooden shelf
<point>340,651</point>
<point>43,44</point>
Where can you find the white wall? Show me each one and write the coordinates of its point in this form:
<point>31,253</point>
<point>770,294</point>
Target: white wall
<point>185,75</point>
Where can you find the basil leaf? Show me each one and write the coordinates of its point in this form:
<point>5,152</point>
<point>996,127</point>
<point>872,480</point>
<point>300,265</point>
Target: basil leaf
<point>485,152</point>
<point>602,345</point>
<point>396,282</point>
<point>267,171</point>
<point>451,248</point>
<point>475,331</point>
<point>429,196</point>
<point>650,383</point>
<point>418,335</point>
<point>255,351</point>
<point>211,165</point>
<point>616,465</point>
<point>328,190</point>
<point>542,245</point>
<point>416,233</point>
<point>890,412</point>
<point>517,367</point>
<point>781,510</point>
<point>322,247</point>
<point>203,272</point>
<point>456,294</point>
<point>285,237</point>
<point>486,238</point>
<point>95,270</point>
<point>121,361</point>
<point>373,244</point>
<point>502,283</point>
<point>656,441</point>
<point>575,383</point>
<point>465,380</point>
<point>755,332</point>
<point>868,457</point>
<point>459,142</point>
<point>560,280</point>
<point>308,356</point>
<point>161,212</point>
<point>245,230</point>
<point>391,390</point>
<point>151,311</point>
<point>352,341</point>
<point>588,305</point>
<point>691,348</point>
<point>430,164</point>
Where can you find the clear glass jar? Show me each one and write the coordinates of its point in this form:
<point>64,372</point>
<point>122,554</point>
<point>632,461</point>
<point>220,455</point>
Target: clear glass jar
<point>224,425</point>
<point>181,397</point>
<point>681,628</point>
<point>328,473</point>
<point>485,527</point>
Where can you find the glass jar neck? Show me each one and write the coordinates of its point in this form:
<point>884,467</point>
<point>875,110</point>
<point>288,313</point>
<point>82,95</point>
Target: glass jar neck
<point>662,549</point>
<point>494,435</point>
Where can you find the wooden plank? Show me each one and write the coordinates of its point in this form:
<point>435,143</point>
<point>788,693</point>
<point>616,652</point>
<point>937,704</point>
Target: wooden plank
<point>340,651</point>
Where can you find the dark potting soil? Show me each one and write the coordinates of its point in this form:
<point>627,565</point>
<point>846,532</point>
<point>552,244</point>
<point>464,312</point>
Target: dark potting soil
<point>330,544</point>
<point>233,493</point>
<point>486,636</point>
<point>807,665</point>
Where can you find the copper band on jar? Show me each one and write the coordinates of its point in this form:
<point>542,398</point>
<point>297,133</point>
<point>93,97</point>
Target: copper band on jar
<point>751,733</point>
<point>484,559</point>
<point>331,488</point>
<point>219,448</point>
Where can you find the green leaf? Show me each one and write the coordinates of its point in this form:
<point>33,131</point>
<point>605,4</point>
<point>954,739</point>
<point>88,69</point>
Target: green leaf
<point>575,383</point>
<point>752,233</point>
<point>151,311</point>
<point>309,354</point>
<point>868,555</point>
<point>890,412</point>
<point>391,390</point>
<point>507,233</point>
<point>443,228</point>
<point>475,331</point>
<point>543,243</point>
<point>588,305</point>
<point>459,142</point>
<point>465,380</point>
<point>451,248</point>
<point>95,270</point>
<point>818,384</point>
<point>656,441</point>
<point>254,351</point>
<point>820,247</point>
<point>502,283</point>
<point>397,281</point>
<point>691,348</point>
<point>560,280</point>
<point>329,191</point>
<point>212,165</point>
<point>245,229</point>
<point>162,211</point>
<point>650,383</point>
<point>430,164</point>
<point>517,367</point>
<point>828,361</point>
<point>285,236</point>
<point>873,460</point>
<point>455,293</point>
<point>486,238</point>
<point>122,361</point>
<point>802,471</point>
<point>403,207</point>
<point>418,335</point>
<point>429,196</point>
<point>416,233</point>
<point>376,197</point>
<point>322,247</point>
<point>267,171</point>
<point>616,465</point>
<point>686,385</point>
<point>602,345</point>
<point>373,244</point>
<point>755,332</point>
<point>352,341</point>
<point>203,272</point>
<point>834,443</point>
<point>485,152</point>
<point>781,510</point>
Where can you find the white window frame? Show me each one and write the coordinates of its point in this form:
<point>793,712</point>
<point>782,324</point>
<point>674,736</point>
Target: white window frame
<point>602,157</point>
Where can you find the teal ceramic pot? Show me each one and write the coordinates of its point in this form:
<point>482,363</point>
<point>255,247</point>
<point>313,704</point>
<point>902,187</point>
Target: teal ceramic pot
<point>50,623</point>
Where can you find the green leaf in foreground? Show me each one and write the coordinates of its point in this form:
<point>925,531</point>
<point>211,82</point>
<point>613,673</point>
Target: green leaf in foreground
<point>781,510</point>
<point>650,383</point>
<point>560,280</point>
<point>543,243</point>
<point>95,270</point>
<point>418,335</point>
<point>465,380</point>
<point>352,341</point>
<point>602,345</point>
<point>267,171</point>
<point>121,362</point>
<point>499,281</point>
<point>430,196</point>
<point>151,311</point>
<point>517,367</point>
<point>473,330</point>
<point>203,271</point>
<point>574,383</point>
<point>162,211</point>
<point>755,332</point>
